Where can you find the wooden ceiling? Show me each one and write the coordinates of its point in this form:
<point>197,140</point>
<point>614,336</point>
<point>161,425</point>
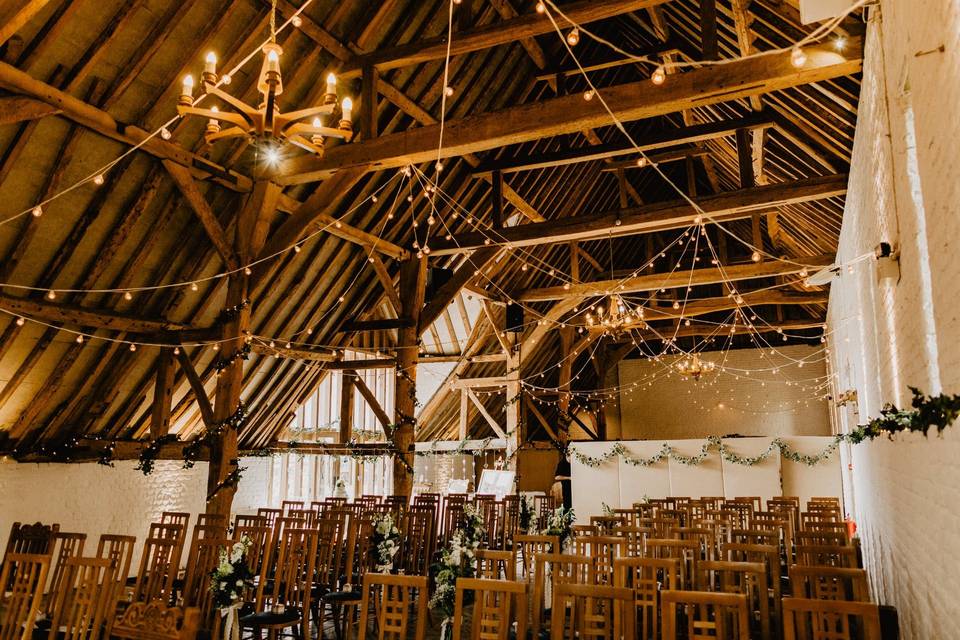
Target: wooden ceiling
<point>762,146</point>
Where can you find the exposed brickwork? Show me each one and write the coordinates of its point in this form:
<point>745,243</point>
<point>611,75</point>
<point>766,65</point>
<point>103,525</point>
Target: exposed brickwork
<point>891,333</point>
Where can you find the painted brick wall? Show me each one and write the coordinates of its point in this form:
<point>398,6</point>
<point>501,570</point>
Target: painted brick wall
<point>891,333</point>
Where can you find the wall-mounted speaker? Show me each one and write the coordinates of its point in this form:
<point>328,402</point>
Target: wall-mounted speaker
<point>514,318</point>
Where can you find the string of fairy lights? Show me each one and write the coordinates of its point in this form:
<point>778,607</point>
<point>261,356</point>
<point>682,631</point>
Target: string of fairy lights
<point>742,314</point>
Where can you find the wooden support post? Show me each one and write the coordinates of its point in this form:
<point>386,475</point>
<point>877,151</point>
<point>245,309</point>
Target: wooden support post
<point>413,277</point>
<point>368,100</point>
<point>162,395</point>
<point>496,199</point>
<point>224,449</point>
<point>708,29</point>
<point>346,406</point>
<point>745,158</point>
<point>464,414</point>
<point>512,408</point>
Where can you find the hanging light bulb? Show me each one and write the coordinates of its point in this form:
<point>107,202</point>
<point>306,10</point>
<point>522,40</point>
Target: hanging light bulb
<point>588,95</point>
<point>296,21</point>
<point>20,322</point>
<point>798,57</point>
<point>127,295</point>
<point>37,211</point>
<point>541,7</point>
<point>79,339</point>
<point>573,38</point>
<point>755,256</point>
<point>98,179</point>
<point>51,295</point>
<point>210,68</point>
<point>133,347</point>
<point>659,75</point>
<point>186,91</point>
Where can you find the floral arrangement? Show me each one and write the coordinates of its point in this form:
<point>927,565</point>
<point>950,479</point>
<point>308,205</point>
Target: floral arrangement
<point>385,541</point>
<point>528,515</point>
<point>232,576</point>
<point>607,509</point>
<point>458,560</point>
<point>559,523</point>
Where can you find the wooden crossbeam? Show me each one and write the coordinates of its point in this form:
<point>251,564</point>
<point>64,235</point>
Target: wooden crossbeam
<point>678,278</point>
<point>532,408</point>
<point>445,295</point>
<point>704,329</point>
<point>296,353</point>
<point>204,212</point>
<point>386,281</point>
<point>196,384</point>
<point>76,316</point>
<point>650,142</point>
<point>14,109</point>
<point>15,14</point>
<point>369,396</point>
<point>492,35</point>
<point>377,325</point>
<point>497,429</point>
<point>569,114</point>
<point>655,158</point>
<point>373,363</point>
<point>470,383</point>
<point>661,216</point>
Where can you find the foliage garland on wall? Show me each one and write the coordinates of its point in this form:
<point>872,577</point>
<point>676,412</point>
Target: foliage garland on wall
<point>938,411</point>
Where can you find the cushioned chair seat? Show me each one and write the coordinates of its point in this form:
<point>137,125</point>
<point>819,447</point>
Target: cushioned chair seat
<point>343,596</point>
<point>268,618</point>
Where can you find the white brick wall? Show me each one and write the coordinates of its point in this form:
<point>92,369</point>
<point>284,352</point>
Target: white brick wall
<point>888,334</point>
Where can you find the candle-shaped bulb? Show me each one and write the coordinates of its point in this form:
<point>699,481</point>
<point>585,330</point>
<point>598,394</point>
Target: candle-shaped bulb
<point>211,63</point>
<point>273,60</point>
<point>331,83</point>
<point>317,123</point>
<point>188,85</point>
<point>347,107</point>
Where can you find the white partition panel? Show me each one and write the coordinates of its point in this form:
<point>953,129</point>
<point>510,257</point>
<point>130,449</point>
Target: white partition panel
<point>821,480</point>
<point>591,487</point>
<point>636,482</point>
<point>761,479</point>
<point>704,479</point>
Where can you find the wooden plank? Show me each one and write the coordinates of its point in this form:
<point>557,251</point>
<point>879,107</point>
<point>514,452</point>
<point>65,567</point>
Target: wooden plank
<point>681,278</point>
<point>413,280</point>
<point>368,102</point>
<point>471,383</point>
<point>532,408</point>
<point>370,397</point>
<point>464,415</point>
<point>14,109</point>
<point>294,353</point>
<point>16,14</point>
<point>386,281</point>
<point>568,114</point>
<point>745,159</point>
<point>191,193</point>
<point>162,395</point>
<point>196,384</point>
<point>76,316</point>
<point>721,207</point>
<point>708,29</point>
<point>705,329</point>
<point>492,35</point>
<point>346,406</point>
<point>372,363</point>
<point>497,429</point>
<point>507,11</point>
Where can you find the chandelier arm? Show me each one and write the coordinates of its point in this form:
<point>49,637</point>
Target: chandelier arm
<point>242,107</point>
<point>223,116</point>
<point>232,132</point>
<point>300,128</point>
<point>300,114</point>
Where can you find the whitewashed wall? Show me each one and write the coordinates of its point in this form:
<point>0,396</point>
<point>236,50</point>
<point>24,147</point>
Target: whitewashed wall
<point>888,334</point>
<point>675,407</point>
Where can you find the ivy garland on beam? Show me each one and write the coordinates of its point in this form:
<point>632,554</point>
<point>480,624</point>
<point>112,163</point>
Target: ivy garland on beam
<point>937,412</point>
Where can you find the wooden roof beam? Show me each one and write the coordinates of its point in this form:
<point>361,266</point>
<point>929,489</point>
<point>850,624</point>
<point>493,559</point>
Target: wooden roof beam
<point>705,329</point>
<point>76,316</point>
<point>679,278</point>
<point>492,35</point>
<point>569,114</point>
<point>445,295</point>
<point>675,214</point>
<point>16,14</point>
<point>15,109</point>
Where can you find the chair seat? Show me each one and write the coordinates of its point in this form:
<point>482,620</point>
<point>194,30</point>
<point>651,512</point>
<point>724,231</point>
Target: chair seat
<point>343,596</point>
<point>268,618</point>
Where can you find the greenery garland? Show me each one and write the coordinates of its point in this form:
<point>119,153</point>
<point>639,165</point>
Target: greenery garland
<point>928,412</point>
<point>457,560</point>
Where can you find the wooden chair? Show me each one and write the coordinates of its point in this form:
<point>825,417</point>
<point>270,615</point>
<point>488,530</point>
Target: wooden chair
<point>24,575</point>
<point>829,583</point>
<point>746,578</point>
<point>119,550</point>
<point>394,598</point>
<point>248,520</point>
<point>157,571</point>
<point>86,598</point>
<point>418,540</point>
<point>284,597</point>
<point>602,551</point>
<point>496,565</point>
<point>218,519</point>
<point>175,517</point>
<point>807,537</point>
<point>687,551</point>
<point>827,555</point>
<point>358,559</point>
<point>595,613</point>
<point>65,546</point>
<point>706,615</point>
<point>770,557</point>
<point>560,568</point>
<point>288,505</point>
<point>529,547</point>
<point>270,515</point>
<point>36,538</point>
<point>830,620</point>
<point>645,576</point>
<point>204,558</point>
<point>258,536</point>
<point>494,609</point>
<point>156,621</point>
<point>635,539</point>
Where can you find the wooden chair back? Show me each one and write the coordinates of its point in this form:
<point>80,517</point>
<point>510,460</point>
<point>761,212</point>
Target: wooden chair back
<point>529,547</point>
<point>394,598</point>
<point>496,565</point>
<point>259,536</point>
<point>544,506</point>
<point>36,538</point>
<point>769,555</point>
<point>497,605</point>
<point>746,578</point>
<point>291,581</point>
<point>704,615</point>
<point>119,550</point>
<point>66,546</point>
<point>602,551</point>
<point>592,612</point>
<point>205,519</point>
<point>24,575</point>
<point>270,515</point>
<point>823,537</point>
<point>157,571</point>
<point>828,555</point>
<point>419,539</point>
<point>829,583</point>
<point>635,539</point>
<point>687,551</point>
<point>646,576</point>
<point>247,520</point>
<point>86,598</point>
<point>830,620</point>
<point>286,506</point>
<point>560,568</point>
<point>175,517</point>
<point>156,621</point>
<point>204,558</point>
